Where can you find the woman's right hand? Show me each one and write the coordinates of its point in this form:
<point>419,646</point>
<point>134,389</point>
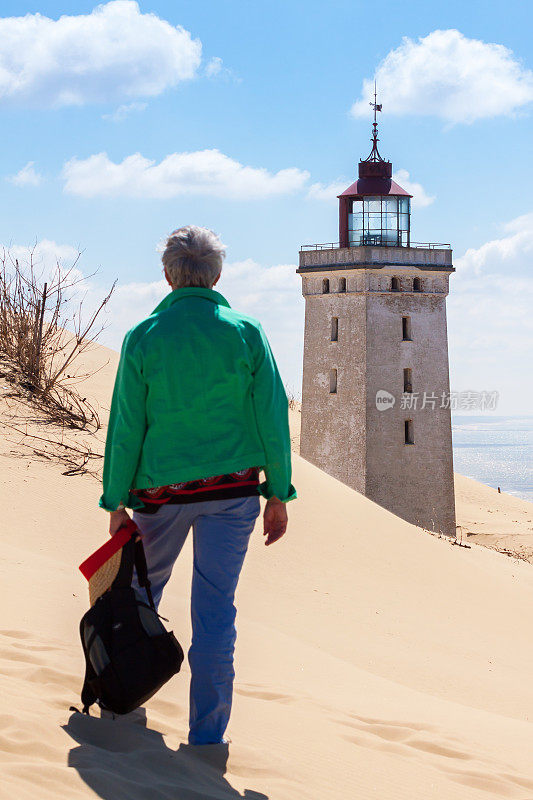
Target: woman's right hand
<point>275,520</point>
<point>117,519</point>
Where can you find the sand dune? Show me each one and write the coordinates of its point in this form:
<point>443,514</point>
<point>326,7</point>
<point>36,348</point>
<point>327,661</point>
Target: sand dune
<point>373,660</point>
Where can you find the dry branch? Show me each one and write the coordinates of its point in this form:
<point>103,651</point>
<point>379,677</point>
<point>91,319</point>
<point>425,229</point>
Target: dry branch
<point>75,458</point>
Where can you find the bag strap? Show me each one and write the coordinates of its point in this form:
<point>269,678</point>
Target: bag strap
<point>88,697</point>
<point>142,572</point>
<point>133,554</point>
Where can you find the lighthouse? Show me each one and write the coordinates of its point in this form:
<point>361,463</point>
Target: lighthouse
<point>376,394</point>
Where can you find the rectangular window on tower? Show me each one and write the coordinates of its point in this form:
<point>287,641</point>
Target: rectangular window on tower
<point>333,381</point>
<point>406,329</point>
<point>334,329</point>
<point>408,431</point>
<point>407,380</point>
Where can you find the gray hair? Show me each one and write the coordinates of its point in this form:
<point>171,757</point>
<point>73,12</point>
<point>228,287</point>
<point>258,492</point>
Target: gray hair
<point>193,257</point>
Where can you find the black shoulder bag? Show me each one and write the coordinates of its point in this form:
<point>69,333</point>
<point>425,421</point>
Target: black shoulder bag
<point>129,655</point>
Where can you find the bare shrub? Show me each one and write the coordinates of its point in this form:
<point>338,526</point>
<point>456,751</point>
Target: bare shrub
<point>36,347</point>
<point>294,402</point>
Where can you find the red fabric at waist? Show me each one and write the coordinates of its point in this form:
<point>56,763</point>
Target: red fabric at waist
<point>217,487</point>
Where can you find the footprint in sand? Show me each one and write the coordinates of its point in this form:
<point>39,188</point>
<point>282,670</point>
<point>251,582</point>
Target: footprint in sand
<point>405,739</point>
<point>19,649</point>
<point>260,694</point>
<point>497,784</point>
<point>16,634</point>
<point>439,750</point>
<point>392,723</point>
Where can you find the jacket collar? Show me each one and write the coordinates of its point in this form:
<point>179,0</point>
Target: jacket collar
<point>190,291</point>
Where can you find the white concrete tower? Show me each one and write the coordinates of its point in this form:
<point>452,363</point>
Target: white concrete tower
<point>375,397</point>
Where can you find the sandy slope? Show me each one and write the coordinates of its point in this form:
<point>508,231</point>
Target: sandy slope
<point>373,661</point>
<point>495,520</point>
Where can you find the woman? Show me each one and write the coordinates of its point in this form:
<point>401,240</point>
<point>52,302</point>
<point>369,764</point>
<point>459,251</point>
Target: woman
<point>198,409</point>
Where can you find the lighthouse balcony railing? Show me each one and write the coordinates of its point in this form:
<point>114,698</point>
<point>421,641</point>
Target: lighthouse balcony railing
<point>336,246</point>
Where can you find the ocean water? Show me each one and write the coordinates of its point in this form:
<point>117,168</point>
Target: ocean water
<point>497,451</point>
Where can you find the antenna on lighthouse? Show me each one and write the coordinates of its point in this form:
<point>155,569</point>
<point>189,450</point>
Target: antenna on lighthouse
<point>374,155</point>
<point>377,107</point>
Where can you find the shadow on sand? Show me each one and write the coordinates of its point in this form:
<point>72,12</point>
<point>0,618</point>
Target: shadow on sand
<point>125,760</point>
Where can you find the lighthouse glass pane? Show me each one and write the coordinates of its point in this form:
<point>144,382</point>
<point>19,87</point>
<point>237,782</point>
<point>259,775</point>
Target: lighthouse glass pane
<point>356,221</point>
<point>373,204</point>
<point>389,238</point>
<point>379,221</point>
<point>355,224</point>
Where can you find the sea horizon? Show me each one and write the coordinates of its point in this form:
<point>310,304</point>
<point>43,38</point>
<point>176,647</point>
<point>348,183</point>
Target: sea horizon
<point>495,450</point>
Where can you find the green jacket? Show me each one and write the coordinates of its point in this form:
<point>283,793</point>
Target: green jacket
<point>197,394</point>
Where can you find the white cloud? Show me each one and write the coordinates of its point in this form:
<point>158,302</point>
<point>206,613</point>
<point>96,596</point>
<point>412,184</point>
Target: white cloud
<point>448,75</point>
<point>129,303</point>
<point>420,196</point>
<point>327,191</point>
<point>490,323</point>
<point>45,254</point>
<point>114,52</point>
<point>124,111</point>
<point>27,176</point>
<point>253,287</point>
<point>512,252</point>
<point>197,173</point>
<point>213,67</point>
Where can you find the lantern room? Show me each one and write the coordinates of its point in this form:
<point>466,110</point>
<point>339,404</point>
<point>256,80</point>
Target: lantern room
<point>375,210</point>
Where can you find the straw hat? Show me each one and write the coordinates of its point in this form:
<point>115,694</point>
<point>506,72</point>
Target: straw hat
<point>102,567</point>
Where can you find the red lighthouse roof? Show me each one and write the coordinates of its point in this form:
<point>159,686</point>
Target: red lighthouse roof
<point>374,186</point>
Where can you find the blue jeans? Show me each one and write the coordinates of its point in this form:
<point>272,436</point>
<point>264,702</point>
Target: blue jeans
<point>221,531</point>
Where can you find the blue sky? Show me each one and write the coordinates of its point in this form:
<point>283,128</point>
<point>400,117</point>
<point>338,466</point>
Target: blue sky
<point>246,118</point>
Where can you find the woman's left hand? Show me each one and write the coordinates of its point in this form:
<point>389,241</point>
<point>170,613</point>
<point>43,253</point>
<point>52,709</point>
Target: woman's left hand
<point>116,519</point>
